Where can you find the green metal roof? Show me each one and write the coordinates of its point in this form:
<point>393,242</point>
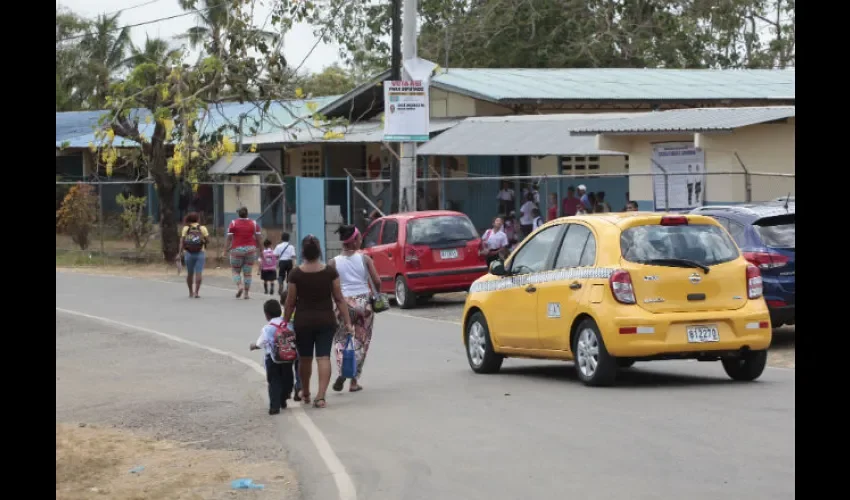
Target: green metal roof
<point>604,84</point>
<point>688,120</point>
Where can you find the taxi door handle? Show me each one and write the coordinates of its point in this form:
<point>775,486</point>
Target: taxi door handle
<point>575,285</point>
<point>530,289</point>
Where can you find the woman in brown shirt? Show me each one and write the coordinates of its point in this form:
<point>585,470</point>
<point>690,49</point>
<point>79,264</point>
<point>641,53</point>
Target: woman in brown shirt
<point>313,289</point>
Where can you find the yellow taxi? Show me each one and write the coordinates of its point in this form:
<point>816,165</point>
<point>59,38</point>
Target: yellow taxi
<point>607,290</point>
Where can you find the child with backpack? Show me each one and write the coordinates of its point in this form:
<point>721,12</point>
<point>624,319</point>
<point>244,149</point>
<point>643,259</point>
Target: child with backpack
<point>268,268</point>
<point>295,366</point>
<point>278,340</point>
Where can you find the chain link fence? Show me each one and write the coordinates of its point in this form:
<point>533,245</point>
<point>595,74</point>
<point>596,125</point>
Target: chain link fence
<point>477,195</point>
<point>113,240</point>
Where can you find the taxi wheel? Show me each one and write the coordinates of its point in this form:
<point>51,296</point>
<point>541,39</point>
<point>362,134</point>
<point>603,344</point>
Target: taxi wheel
<point>594,366</point>
<point>405,298</point>
<point>479,349</point>
<point>746,368</point>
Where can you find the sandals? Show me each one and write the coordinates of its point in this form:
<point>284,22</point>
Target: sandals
<point>320,403</point>
<point>338,383</point>
<point>356,388</point>
<point>239,293</point>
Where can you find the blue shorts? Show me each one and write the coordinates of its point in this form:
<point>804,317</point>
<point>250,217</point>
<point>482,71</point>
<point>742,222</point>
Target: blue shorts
<point>195,262</point>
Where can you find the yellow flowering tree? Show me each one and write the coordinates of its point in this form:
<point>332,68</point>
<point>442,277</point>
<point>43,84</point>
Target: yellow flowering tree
<point>159,115</point>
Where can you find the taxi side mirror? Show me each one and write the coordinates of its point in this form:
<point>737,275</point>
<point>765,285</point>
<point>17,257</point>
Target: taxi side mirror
<point>497,268</point>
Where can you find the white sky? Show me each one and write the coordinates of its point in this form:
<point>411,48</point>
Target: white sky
<point>297,42</point>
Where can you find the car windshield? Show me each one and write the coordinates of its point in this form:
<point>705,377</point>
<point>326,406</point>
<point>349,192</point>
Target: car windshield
<point>778,232</point>
<point>699,244</point>
<point>440,229</point>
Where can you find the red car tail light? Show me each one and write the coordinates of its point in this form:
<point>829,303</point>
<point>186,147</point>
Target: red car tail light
<point>413,256</point>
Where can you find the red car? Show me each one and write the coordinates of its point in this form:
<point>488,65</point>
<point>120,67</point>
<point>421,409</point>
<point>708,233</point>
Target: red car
<point>418,254</point>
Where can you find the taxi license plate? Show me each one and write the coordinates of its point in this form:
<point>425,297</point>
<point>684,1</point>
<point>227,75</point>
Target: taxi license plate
<point>448,254</point>
<point>703,333</point>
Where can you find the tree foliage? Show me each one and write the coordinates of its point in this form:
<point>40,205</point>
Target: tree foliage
<point>78,213</point>
<point>136,222</point>
<point>332,80</point>
<point>575,33</point>
<point>165,103</point>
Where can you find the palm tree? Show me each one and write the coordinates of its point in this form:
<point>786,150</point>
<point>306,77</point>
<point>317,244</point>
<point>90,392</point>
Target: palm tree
<point>106,45</point>
<point>155,50</point>
<point>212,21</point>
<point>213,17</point>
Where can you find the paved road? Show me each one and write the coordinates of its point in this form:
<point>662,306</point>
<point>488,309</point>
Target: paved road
<point>427,427</point>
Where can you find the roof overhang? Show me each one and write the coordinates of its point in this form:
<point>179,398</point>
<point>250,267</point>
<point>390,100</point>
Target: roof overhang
<point>242,164</point>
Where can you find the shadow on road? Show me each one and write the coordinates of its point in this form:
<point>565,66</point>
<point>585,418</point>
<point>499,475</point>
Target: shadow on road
<point>640,375</point>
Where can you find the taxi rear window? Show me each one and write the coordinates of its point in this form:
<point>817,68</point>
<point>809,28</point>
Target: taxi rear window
<point>702,243</point>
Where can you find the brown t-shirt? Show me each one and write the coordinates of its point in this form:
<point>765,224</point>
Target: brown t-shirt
<point>314,297</point>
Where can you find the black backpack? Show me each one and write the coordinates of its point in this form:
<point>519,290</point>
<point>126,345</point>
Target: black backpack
<point>194,239</point>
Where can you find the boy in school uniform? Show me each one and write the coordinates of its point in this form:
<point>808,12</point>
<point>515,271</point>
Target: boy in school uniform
<point>278,375</point>
<point>295,366</point>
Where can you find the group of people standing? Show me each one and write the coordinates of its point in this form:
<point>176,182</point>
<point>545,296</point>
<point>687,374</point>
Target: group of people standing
<point>498,241</point>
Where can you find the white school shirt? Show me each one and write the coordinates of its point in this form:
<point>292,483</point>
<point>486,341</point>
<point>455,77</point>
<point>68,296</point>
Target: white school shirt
<point>538,221</point>
<point>266,338</point>
<point>284,251</point>
<point>495,240</point>
<point>526,219</point>
<point>506,195</point>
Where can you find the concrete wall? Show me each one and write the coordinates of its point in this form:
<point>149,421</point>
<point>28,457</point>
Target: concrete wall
<point>640,153</point>
<point>239,196</point>
<point>768,147</point>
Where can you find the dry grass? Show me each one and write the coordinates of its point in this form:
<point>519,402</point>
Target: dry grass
<point>95,462</point>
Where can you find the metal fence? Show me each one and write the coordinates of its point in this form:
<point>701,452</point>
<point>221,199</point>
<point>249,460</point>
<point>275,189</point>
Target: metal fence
<point>358,201</point>
<point>476,195</point>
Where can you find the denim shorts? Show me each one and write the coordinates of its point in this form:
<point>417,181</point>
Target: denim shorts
<point>195,262</point>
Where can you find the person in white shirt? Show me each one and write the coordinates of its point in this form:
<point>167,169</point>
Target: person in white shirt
<point>526,219</point>
<point>494,243</point>
<point>538,220</point>
<point>285,253</point>
<point>506,198</point>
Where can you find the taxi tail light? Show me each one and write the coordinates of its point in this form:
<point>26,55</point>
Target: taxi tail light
<point>754,284</point>
<point>621,287</point>
<point>674,220</point>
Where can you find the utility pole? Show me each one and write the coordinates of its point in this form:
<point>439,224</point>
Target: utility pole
<point>396,75</point>
<point>407,165</point>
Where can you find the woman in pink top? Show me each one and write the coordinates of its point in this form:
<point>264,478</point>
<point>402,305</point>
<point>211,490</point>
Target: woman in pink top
<point>243,240</point>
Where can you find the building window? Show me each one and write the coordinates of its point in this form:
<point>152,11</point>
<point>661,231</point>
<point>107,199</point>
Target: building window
<point>311,163</point>
<point>627,163</point>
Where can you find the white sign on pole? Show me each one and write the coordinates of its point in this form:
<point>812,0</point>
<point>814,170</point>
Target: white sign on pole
<point>685,166</point>
<point>406,116</point>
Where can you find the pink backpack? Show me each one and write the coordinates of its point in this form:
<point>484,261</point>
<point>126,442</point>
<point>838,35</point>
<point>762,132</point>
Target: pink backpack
<point>269,260</point>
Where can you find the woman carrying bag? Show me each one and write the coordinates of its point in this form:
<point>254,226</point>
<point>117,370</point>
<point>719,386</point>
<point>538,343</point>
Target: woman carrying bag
<point>357,276</point>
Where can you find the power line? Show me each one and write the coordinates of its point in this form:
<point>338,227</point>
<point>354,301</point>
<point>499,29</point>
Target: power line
<point>149,2</point>
<point>152,21</point>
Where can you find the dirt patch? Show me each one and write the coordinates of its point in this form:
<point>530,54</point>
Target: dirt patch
<point>195,420</point>
<point>96,462</point>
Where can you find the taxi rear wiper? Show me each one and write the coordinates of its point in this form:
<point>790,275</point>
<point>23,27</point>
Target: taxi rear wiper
<point>678,263</point>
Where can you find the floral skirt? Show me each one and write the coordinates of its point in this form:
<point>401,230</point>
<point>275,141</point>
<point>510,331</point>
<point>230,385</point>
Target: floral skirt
<point>362,318</point>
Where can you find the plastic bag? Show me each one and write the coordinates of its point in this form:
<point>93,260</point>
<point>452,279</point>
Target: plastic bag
<point>349,360</point>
